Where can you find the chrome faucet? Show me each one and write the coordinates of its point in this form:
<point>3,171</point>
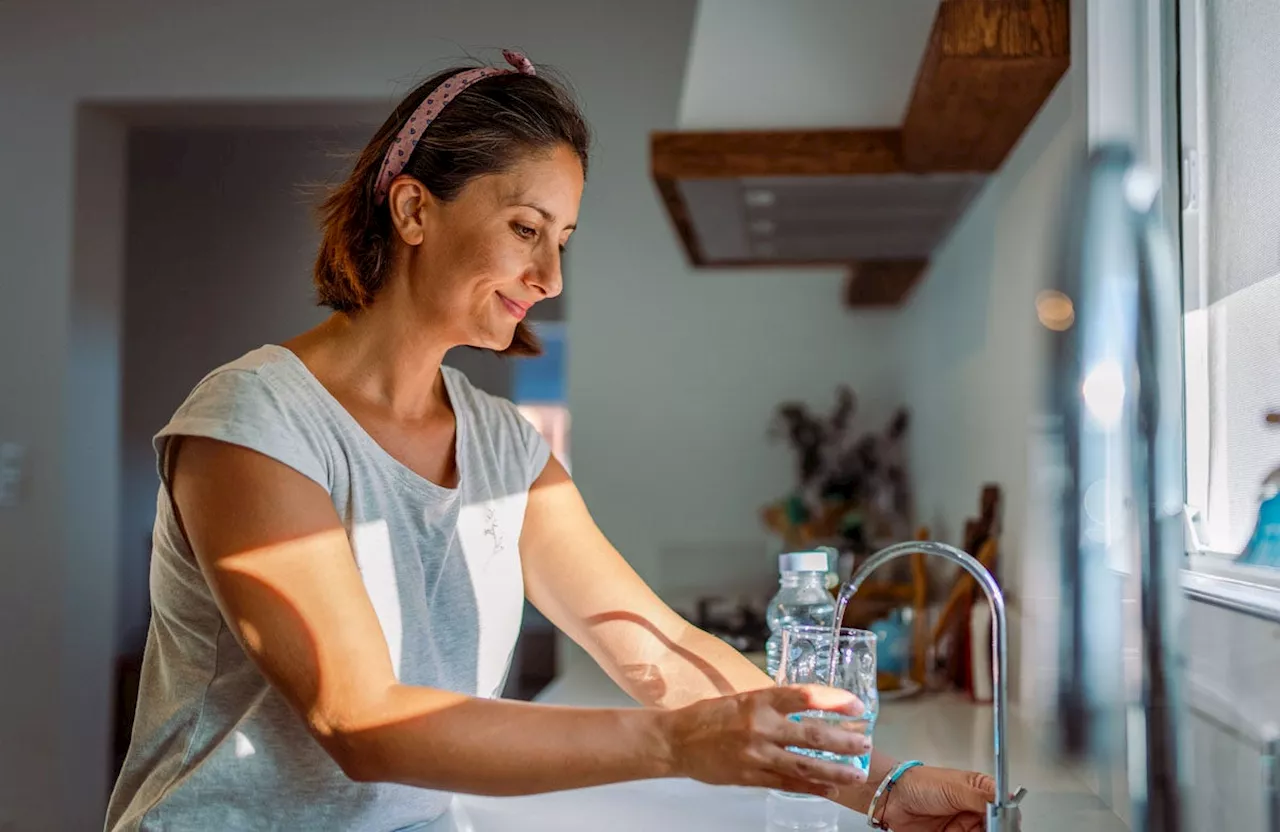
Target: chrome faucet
<point>1004,815</point>
<point>1117,402</point>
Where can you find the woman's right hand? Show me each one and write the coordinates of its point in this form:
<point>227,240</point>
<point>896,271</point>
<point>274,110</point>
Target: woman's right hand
<point>742,740</point>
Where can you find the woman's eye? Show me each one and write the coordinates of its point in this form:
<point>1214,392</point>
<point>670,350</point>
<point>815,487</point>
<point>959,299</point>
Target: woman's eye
<point>525,231</point>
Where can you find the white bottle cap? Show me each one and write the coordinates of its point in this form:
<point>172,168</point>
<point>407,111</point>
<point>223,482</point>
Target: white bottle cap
<point>803,562</point>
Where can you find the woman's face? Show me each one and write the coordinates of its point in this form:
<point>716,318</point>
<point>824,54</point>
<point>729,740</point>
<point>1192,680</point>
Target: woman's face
<point>477,264</point>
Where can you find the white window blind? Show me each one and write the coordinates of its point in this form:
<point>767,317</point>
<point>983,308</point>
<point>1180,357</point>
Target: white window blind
<point>1231,181</point>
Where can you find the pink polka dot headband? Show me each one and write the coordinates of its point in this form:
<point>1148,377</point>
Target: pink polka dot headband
<point>407,139</point>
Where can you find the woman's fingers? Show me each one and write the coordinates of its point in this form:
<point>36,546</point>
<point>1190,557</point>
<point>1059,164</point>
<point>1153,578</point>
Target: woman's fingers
<point>845,738</point>
<point>743,739</point>
<point>812,770</point>
<point>795,698</point>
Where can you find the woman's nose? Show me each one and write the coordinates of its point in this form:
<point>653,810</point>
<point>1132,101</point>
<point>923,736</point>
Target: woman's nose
<point>546,276</point>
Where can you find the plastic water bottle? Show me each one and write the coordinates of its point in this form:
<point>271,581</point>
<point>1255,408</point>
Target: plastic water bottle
<point>802,598</point>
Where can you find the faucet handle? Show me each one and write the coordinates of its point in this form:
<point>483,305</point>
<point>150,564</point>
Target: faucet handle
<point>1006,816</point>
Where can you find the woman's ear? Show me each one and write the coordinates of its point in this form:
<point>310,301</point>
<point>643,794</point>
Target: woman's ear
<point>409,202</point>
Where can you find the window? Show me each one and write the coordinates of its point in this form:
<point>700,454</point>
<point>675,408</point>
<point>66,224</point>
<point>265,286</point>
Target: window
<point>539,389</point>
<point>1229,69</point>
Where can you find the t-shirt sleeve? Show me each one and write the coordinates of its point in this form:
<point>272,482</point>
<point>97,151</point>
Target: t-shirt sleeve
<point>537,450</point>
<point>521,450</point>
<point>240,407</point>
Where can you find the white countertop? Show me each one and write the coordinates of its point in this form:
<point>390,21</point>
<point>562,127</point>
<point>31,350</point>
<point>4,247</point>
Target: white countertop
<point>942,730</point>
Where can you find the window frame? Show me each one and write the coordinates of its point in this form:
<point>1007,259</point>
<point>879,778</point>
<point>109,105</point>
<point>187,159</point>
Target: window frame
<point>1210,576</point>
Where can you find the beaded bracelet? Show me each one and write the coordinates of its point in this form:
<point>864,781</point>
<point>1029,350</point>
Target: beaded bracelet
<point>885,787</point>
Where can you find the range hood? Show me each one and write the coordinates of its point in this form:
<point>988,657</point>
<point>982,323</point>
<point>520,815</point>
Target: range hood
<point>879,201</point>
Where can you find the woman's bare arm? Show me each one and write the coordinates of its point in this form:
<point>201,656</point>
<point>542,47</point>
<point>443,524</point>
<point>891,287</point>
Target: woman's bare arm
<point>575,577</point>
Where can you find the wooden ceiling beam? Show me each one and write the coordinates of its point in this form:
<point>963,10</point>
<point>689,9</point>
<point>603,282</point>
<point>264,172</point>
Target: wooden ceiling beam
<point>989,67</point>
<point>734,154</point>
<point>739,153</point>
<point>882,282</point>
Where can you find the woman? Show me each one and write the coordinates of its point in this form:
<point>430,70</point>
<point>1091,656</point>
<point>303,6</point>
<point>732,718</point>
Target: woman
<point>347,530</point>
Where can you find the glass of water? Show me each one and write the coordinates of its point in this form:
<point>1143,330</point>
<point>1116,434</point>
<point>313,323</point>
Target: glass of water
<point>805,659</point>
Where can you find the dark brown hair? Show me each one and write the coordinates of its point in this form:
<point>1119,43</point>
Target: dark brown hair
<point>486,129</point>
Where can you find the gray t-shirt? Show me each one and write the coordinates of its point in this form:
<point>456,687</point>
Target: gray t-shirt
<point>214,746</point>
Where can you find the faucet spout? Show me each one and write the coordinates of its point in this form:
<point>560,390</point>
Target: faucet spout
<point>1004,815</point>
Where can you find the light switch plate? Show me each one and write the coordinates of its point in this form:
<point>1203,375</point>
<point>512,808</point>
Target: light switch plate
<point>11,457</point>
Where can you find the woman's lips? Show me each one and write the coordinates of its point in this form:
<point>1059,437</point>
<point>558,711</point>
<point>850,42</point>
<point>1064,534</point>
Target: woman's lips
<point>517,310</point>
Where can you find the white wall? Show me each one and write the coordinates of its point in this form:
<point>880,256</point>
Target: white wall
<point>761,64</point>
<point>973,348</point>
<point>672,400</point>
<point>89,469</point>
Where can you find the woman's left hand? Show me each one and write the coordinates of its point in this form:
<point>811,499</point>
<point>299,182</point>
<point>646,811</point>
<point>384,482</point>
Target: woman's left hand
<point>927,799</point>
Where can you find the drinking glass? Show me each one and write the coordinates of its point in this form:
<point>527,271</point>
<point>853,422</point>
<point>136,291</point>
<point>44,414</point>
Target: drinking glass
<point>805,659</point>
